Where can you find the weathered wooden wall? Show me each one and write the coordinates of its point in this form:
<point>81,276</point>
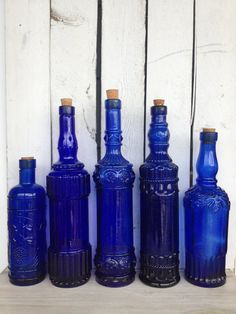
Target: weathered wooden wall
<point>145,48</point>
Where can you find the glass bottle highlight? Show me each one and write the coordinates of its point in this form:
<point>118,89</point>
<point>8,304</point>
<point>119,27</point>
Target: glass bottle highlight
<point>27,228</point>
<point>159,207</point>
<point>68,187</point>
<point>114,177</point>
<point>206,220</point>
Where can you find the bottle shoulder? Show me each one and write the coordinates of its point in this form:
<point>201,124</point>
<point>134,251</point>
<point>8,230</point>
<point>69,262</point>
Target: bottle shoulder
<point>114,175</point>
<point>159,170</point>
<point>200,196</point>
<point>27,191</point>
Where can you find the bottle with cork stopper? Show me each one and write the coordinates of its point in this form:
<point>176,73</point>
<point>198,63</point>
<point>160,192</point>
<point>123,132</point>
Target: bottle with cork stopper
<point>114,177</point>
<point>68,188</point>
<point>159,262</point>
<point>27,246</point>
<point>206,219</point>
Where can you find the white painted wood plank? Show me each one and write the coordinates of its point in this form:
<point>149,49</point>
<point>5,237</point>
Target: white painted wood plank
<point>169,64</point>
<point>123,57</point>
<point>136,298</point>
<point>3,164</point>
<point>216,93</point>
<point>27,83</point>
<point>73,74</point>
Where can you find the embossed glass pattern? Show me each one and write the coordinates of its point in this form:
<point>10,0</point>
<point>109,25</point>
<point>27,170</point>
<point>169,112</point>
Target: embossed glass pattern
<point>114,177</point>
<point>68,187</point>
<point>206,220</point>
<point>159,208</point>
<point>26,228</point>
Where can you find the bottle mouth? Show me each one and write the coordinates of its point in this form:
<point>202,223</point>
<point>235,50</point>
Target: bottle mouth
<point>208,135</point>
<point>27,162</point>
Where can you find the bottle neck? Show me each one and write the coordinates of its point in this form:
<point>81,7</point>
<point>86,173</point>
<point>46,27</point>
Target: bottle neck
<point>207,165</point>
<point>67,143</point>
<point>113,137</point>
<point>158,135</point>
<point>27,176</point>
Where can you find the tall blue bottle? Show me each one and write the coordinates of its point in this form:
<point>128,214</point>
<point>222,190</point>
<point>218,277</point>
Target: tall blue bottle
<point>68,187</point>
<point>159,207</point>
<point>27,228</point>
<point>206,220</point>
<point>114,177</point>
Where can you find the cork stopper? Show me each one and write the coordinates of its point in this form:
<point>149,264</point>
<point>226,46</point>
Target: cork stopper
<point>66,102</point>
<point>158,102</point>
<point>27,158</point>
<point>208,130</point>
<point>112,93</point>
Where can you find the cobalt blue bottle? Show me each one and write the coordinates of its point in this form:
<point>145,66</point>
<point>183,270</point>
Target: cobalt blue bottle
<point>114,177</point>
<point>27,228</point>
<point>206,220</point>
<point>68,187</point>
<point>159,207</point>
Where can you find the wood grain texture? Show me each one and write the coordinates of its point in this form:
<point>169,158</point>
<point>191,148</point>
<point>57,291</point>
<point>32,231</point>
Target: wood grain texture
<point>27,83</point>
<point>169,62</point>
<point>123,57</point>
<point>73,75</point>
<point>3,164</point>
<point>216,93</point>
<point>134,299</point>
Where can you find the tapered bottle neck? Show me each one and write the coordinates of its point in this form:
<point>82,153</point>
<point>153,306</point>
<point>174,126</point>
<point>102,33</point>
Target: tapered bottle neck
<point>113,137</point>
<point>207,165</point>
<point>27,171</point>
<point>67,143</point>
<point>158,135</point>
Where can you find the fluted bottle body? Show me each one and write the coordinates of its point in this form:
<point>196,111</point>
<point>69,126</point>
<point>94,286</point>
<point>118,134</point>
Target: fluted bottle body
<point>114,177</point>
<point>68,187</point>
<point>159,207</point>
<point>206,220</point>
<point>27,228</point>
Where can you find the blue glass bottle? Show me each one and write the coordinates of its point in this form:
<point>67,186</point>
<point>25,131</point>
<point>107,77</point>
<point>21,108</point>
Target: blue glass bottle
<point>68,187</point>
<point>159,207</point>
<point>27,228</point>
<point>114,177</point>
<point>206,220</point>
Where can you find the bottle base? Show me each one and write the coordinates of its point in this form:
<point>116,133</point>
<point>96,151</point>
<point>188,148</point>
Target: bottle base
<point>159,284</point>
<point>207,283</point>
<point>115,282</point>
<point>26,282</point>
<point>73,284</point>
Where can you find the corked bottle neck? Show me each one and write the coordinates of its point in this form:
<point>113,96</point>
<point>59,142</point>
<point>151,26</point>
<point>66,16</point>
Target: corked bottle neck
<point>113,132</point>
<point>158,135</point>
<point>27,171</point>
<point>207,164</point>
<point>67,143</point>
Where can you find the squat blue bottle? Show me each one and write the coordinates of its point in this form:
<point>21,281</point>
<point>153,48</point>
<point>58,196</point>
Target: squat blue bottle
<point>206,220</point>
<point>159,207</point>
<point>68,187</point>
<point>114,177</point>
<point>27,228</point>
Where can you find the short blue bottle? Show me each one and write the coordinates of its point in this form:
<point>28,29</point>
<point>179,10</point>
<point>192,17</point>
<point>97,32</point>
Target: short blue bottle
<point>159,207</point>
<point>114,177</point>
<point>68,187</point>
<point>27,228</point>
<point>206,220</point>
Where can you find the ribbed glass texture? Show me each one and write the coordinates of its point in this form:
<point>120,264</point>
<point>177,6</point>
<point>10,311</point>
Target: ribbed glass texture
<point>206,220</point>
<point>159,208</point>
<point>68,187</point>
